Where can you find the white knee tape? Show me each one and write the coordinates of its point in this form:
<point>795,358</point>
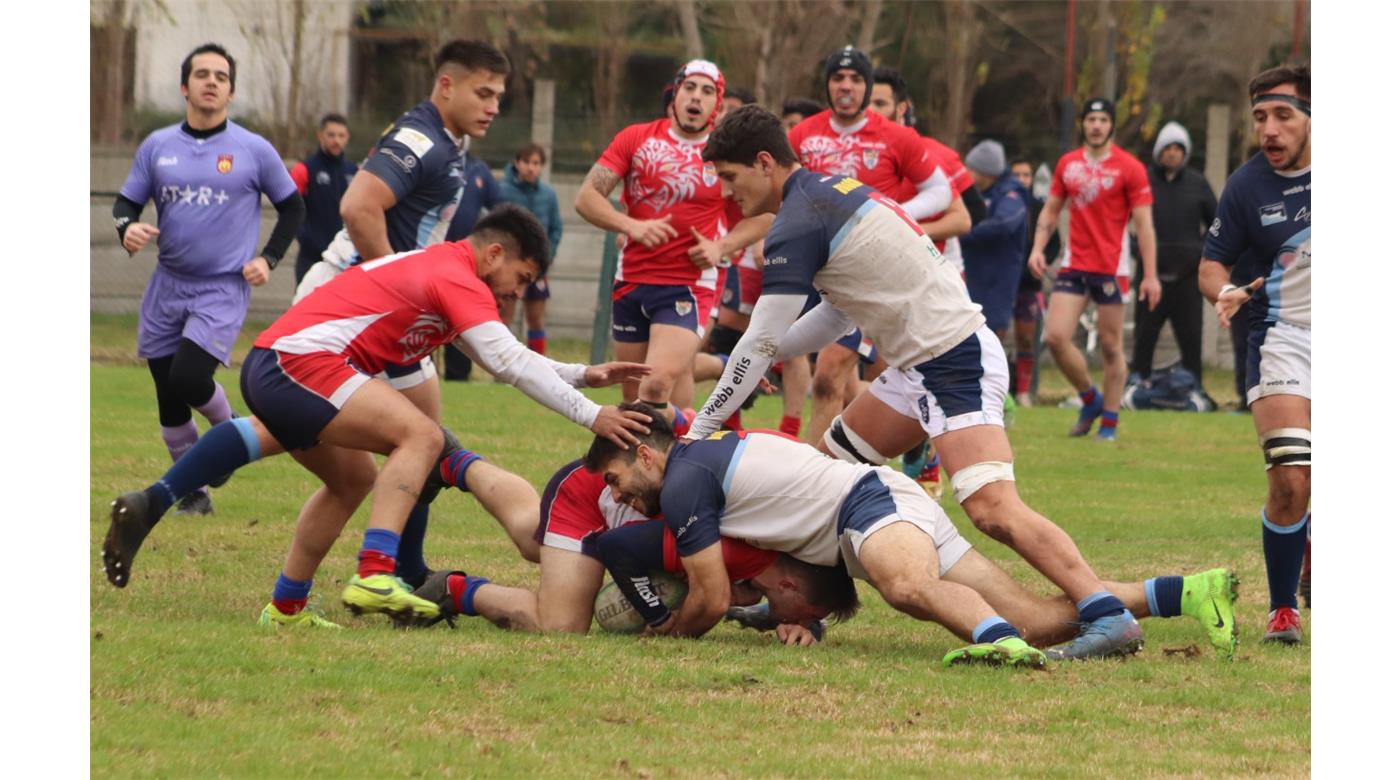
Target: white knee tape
<point>846,445</point>
<point>973,478</point>
<point>1287,447</point>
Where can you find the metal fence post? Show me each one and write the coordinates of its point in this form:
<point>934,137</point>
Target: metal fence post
<point>602,312</point>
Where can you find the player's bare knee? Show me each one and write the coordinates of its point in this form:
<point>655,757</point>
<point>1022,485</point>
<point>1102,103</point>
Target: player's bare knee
<point>905,592</point>
<point>825,387</point>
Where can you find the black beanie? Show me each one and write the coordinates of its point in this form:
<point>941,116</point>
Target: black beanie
<point>850,58</point>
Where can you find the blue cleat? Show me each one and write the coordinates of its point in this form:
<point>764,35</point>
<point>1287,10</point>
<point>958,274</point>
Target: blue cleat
<point>1107,434</point>
<point>1087,415</point>
<point>1114,635</point>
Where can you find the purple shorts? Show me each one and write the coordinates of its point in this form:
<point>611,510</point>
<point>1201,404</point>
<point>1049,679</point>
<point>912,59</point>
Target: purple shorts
<point>1101,288</point>
<point>1029,306</point>
<point>539,291</point>
<point>636,307</point>
<point>207,310</point>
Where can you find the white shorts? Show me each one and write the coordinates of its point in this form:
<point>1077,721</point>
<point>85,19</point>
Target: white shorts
<point>1279,362</point>
<point>964,386</point>
<point>318,274</point>
<point>911,505</point>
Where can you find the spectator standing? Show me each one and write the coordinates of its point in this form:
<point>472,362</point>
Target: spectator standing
<point>993,252</point>
<point>522,185</point>
<point>322,179</point>
<point>1183,206</point>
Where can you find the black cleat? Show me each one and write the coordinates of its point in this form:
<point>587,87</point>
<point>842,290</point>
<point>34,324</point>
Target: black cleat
<point>131,522</point>
<point>196,503</point>
<point>435,483</point>
<point>434,589</point>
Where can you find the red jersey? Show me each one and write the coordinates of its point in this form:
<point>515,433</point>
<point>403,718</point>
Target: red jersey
<point>1101,197</point>
<point>880,153</point>
<point>959,179</point>
<point>742,560</point>
<point>662,174</point>
<point>393,310</point>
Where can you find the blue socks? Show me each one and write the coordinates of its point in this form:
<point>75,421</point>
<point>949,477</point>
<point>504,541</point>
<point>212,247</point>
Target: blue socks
<point>289,596</point>
<point>413,569</point>
<point>1101,605</point>
<point>1283,559</point>
<point>225,448</point>
<point>1164,595</point>
<point>992,629</point>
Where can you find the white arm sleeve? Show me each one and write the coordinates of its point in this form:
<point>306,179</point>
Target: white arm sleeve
<point>493,346</point>
<point>772,316</point>
<point>935,195</point>
<point>817,328</point>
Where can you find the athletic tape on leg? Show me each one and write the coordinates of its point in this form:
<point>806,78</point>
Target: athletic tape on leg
<point>1287,447</point>
<point>973,478</point>
<point>846,445</point>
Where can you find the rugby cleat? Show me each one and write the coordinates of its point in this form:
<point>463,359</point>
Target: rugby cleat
<point>760,618</point>
<point>434,589</point>
<point>1007,651</point>
<point>1210,597</point>
<point>385,594</point>
<point>1087,414</point>
<point>1285,627</point>
<point>1115,635</point>
<point>131,522</point>
<point>1107,434</point>
<point>1024,399</point>
<point>308,617</point>
<point>196,503</point>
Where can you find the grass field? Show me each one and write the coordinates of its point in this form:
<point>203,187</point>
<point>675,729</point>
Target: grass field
<point>183,683</point>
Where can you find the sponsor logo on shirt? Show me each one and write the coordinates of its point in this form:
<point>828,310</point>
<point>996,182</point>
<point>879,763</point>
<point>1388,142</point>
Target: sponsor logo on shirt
<point>323,178</point>
<point>186,195</point>
<point>167,161</point>
<point>770,260</point>
<point>1296,190</point>
<point>1273,214</point>
<point>1215,228</point>
<point>1304,215</point>
<point>688,523</point>
<point>225,163</point>
<point>416,142</point>
<point>407,162</point>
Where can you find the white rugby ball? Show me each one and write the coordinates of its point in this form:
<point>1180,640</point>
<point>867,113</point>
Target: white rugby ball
<point>615,614</point>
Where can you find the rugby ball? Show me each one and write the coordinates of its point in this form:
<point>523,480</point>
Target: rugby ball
<point>615,614</point>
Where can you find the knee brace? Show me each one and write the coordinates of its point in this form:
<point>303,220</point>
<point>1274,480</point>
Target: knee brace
<point>846,445</point>
<point>971,479</point>
<point>1287,447</point>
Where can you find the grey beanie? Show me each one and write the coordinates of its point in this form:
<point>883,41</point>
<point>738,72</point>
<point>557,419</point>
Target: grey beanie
<point>1172,133</point>
<point>987,158</point>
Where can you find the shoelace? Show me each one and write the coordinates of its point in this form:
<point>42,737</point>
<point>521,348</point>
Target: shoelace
<point>1284,619</point>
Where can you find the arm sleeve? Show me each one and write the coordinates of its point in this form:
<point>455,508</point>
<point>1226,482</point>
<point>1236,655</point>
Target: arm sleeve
<point>976,207</point>
<point>1008,214</point>
<point>124,212</point>
<point>291,210</point>
<point>692,501</point>
<point>772,316</point>
<point>817,328</point>
<point>631,553</point>
<point>493,346</point>
<point>301,178</point>
<point>934,196</point>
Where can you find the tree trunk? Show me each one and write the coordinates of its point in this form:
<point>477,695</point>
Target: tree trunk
<point>296,123</point>
<point>610,66</point>
<point>870,19</point>
<point>111,84</point>
<point>690,29</point>
<point>963,33</point>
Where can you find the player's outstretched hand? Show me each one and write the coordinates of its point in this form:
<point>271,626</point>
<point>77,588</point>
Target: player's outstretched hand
<point>1150,290</point>
<point>1229,303</point>
<point>705,253</point>
<point>617,426</point>
<point>792,634</point>
<point>138,235</point>
<point>652,232</point>
<point>614,373</point>
<point>257,271</point>
<point>1037,264</point>
<point>665,629</point>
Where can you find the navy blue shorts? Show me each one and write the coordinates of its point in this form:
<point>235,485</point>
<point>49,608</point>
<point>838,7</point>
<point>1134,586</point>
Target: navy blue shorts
<point>296,396</point>
<point>636,307</point>
<point>1101,288</point>
<point>539,291</point>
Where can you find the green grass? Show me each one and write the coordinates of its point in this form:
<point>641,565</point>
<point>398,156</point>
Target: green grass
<point>183,683</point>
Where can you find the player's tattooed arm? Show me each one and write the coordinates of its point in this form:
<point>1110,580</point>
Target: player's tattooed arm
<point>593,205</point>
<point>603,180</point>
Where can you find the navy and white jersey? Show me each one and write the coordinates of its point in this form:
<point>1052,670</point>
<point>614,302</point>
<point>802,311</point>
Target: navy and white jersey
<point>866,257</point>
<point>422,163</point>
<point>1269,213</point>
<point>765,488</point>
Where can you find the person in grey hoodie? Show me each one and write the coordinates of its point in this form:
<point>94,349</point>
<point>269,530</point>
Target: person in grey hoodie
<point>522,186</point>
<point>1183,206</point>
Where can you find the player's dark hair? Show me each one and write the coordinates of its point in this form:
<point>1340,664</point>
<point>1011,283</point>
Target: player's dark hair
<point>209,48</point>
<point>1300,76</point>
<point>472,55</point>
<point>334,118</point>
<point>890,76</point>
<point>746,131</point>
<point>804,106</point>
<point>530,150</point>
<point>825,587</point>
<point>660,436</point>
<point>516,228</point>
<point>744,96</point>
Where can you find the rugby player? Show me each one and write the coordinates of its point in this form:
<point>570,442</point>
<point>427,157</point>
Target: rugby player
<point>779,494</point>
<point>309,381</point>
<point>850,139</point>
<point>877,269</point>
<point>1029,309</point>
<point>207,176</point>
<point>1106,188</point>
<point>662,297</point>
<point>1265,218</point>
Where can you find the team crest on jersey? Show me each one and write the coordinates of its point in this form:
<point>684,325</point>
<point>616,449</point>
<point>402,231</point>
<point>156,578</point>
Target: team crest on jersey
<point>426,332</point>
<point>684,307</point>
<point>225,163</point>
<point>709,174</point>
<point>871,158</point>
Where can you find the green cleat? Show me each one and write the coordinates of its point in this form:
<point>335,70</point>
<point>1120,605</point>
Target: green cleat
<point>309,617</point>
<point>1209,597</point>
<point>386,594</point>
<point>1008,651</point>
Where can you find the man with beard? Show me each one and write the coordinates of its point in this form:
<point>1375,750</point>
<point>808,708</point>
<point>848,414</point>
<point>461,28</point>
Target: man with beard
<point>1106,188</point>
